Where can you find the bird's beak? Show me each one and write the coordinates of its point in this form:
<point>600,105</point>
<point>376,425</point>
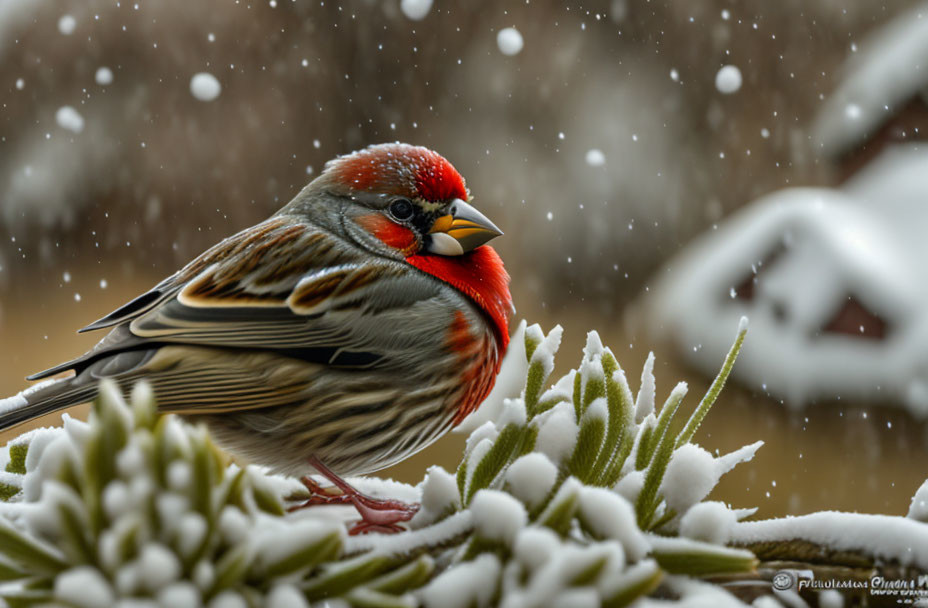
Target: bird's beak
<point>463,229</point>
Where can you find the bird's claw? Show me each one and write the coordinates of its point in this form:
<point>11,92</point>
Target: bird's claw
<point>378,515</point>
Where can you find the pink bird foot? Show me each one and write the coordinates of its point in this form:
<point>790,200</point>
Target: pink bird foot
<point>378,515</point>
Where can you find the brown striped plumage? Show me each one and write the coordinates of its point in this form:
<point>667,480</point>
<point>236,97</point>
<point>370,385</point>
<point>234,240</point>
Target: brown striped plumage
<point>323,332</point>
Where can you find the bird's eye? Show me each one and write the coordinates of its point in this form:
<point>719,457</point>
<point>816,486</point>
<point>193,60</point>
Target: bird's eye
<point>401,209</point>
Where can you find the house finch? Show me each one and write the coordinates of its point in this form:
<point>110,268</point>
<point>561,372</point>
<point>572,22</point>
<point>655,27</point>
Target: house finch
<point>346,332</point>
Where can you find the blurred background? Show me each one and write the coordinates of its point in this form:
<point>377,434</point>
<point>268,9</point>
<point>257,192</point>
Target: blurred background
<point>604,138</point>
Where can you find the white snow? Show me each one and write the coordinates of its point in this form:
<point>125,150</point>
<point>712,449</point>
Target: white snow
<point>233,524</point>
<point>18,400</point>
<point>644,402</point>
<point>595,157</point>
<point>531,477</point>
<point>611,516</point>
<point>407,542</point>
<point>104,76</point>
<point>276,541</point>
<point>513,413</point>
<point>728,79</point>
<point>509,382</point>
<point>191,531</point>
<point>228,599</point>
<point>464,586</point>
<point>629,486</point>
<point>557,432</point>
<point>509,41</point>
<point>690,477</point>
<point>179,475</point>
<point>66,24</point>
<point>708,521</point>
<point>439,496</point>
<point>204,86</point>
<point>535,545</point>
<point>545,351</point>
<point>877,81</point>
<point>497,516</point>
<point>84,587</point>
<point>180,595</point>
<point>286,596</point>
<point>416,9</point>
<point>116,498</point>
<point>159,565</point>
<point>918,509</point>
<point>881,536</point>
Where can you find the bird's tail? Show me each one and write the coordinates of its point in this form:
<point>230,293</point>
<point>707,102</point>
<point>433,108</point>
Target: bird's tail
<point>45,398</point>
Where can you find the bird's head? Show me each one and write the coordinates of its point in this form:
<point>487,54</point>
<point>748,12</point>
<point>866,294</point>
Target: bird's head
<point>409,198</point>
<point>408,202</point>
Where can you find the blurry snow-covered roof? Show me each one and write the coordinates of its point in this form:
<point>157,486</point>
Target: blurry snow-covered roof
<point>889,69</point>
<point>811,251</point>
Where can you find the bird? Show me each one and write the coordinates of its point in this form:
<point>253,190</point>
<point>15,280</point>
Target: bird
<point>344,333</point>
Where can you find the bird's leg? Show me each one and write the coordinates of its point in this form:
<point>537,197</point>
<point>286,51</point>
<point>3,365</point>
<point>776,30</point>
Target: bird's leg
<point>377,514</point>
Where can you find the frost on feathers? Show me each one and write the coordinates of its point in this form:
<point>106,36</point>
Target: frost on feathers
<point>466,585</point>
<point>530,478</point>
<point>497,516</point>
<point>708,521</point>
<point>690,476</point>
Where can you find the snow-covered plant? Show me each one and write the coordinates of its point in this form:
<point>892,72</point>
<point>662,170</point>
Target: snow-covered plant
<point>589,429</point>
<point>555,502</point>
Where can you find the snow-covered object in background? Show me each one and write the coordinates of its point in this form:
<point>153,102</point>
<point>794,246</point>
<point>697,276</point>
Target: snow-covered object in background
<point>509,40</point>
<point>204,86</point>
<point>918,509</point>
<point>69,118</point>
<point>103,76</point>
<point>889,71</point>
<point>728,79</point>
<point>883,537</point>
<point>416,9</point>
<point>834,283</point>
<point>595,157</point>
